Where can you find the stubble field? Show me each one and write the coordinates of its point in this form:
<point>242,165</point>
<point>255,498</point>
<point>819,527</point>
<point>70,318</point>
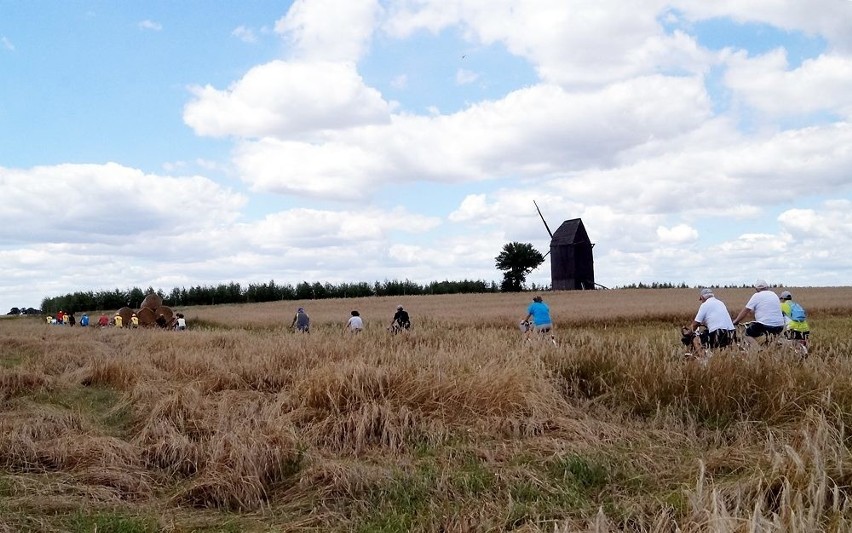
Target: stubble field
<point>239,424</point>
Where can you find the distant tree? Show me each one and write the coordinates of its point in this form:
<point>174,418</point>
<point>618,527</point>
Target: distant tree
<point>14,311</point>
<point>135,297</point>
<point>516,260</point>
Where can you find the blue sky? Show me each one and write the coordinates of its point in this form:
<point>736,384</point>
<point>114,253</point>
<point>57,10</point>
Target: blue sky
<point>181,143</point>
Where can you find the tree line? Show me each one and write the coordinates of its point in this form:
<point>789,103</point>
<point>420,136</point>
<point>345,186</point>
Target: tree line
<point>233,293</point>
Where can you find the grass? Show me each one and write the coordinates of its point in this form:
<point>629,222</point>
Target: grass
<point>114,522</point>
<point>241,425</point>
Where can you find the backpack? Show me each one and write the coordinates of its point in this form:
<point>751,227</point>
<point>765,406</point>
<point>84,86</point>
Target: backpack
<point>797,312</point>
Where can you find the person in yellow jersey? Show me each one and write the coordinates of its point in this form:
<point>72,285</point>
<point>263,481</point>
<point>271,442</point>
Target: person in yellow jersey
<point>134,321</point>
<point>796,320</point>
<point>117,320</point>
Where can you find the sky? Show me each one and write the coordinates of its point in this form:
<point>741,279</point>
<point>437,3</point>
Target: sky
<point>173,144</point>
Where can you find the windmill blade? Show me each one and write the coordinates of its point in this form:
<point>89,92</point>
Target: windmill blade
<point>542,219</point>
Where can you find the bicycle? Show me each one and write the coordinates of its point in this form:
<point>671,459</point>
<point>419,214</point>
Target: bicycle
<point>785,340</point>
<point>398,327</point>
<point>528,329</point>
<point>720,339</point>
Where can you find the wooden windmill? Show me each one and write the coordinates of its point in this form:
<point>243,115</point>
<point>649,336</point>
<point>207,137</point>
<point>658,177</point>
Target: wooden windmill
<point>572,266</point>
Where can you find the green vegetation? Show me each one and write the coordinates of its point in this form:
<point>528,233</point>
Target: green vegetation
<point>517,260</point>
<point>234,293</point>
<point>112,522</point>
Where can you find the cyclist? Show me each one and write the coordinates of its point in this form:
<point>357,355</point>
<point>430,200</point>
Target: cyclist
<point>714,315</point>
<point>401,320</point>
<point>539,312</point>
<point>795,329</point>
<point>768,318</point>
<point>301,321</point>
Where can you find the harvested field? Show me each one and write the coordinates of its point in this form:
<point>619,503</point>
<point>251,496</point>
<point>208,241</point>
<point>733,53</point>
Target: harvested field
<point>239,424</point>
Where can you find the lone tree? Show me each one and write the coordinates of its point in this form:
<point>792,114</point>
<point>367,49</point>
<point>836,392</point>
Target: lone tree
<point>516,260</point>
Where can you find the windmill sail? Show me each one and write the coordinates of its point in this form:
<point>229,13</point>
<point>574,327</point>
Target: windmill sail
<point>542,219</point>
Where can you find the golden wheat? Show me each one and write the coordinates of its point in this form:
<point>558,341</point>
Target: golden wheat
<point>457,425</point>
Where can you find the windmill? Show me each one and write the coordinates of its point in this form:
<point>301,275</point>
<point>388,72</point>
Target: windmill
<point>572,266</point>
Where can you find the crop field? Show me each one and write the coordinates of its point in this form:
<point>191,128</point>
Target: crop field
<point>240,424</point>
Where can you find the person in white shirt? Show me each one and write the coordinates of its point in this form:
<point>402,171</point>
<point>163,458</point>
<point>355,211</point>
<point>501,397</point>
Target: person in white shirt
<point>714,315</point>
<point>768,318</point>
<point>355,323</point>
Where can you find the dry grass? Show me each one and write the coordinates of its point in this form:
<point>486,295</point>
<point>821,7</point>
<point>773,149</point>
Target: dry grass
<point>241,424</point>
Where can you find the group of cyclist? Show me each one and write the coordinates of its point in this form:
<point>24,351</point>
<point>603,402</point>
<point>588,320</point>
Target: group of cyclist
<point>400,322</point>
<point>773,315</point>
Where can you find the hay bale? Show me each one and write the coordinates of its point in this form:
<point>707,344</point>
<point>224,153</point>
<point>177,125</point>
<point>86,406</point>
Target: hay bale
<point>167,313</point>
<point>125,313</point>
<point>152,301</point>
<point>147,317</point>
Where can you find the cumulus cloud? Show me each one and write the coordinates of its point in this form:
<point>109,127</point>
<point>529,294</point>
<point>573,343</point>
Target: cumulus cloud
<point>679,234</point>
<point>286,99</point>
<point>328,30</point>
<point>535,131</point>
<point>312,228</point>
<point>831,19</point>
<point>572,44</point>
<point>767,84</point>
<point>108,201</point>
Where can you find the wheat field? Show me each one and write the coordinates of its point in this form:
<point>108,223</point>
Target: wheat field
<point>240,424</point>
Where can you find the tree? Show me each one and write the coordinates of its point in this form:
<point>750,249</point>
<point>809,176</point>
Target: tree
<point>517,259</point>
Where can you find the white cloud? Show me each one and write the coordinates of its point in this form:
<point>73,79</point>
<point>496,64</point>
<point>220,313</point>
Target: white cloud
<point>765,83</point>
<point>244,34</point>
<point>286,99</point>
<point>537,131</point>
<point>107,202</point>
<point>150,25</point>
<point>329,30</point>
<point>329,170</point>
<point>7,44</point>
<point>679,234</point>
<point>831,19</point>
<point>570,43</point>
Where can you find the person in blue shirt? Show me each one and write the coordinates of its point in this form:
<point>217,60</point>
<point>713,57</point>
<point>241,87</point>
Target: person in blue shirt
<point>540,314</point>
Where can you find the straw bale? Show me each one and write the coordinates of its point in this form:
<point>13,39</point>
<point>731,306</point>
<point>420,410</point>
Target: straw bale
<point>125,313</point>
<point>152,301</point>
<point>146,316</point>
<point>166,311</point>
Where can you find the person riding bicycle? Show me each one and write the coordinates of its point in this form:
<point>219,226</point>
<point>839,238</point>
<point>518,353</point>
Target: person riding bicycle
<point>539,312</point>
<point>400,320</point>
<point>301,321</point>
<point>768,318</point>
<point>797,326</point>
<point>714,315</point>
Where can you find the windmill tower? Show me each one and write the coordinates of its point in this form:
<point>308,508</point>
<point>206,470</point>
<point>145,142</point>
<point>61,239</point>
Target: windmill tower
<point>572,266</point>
